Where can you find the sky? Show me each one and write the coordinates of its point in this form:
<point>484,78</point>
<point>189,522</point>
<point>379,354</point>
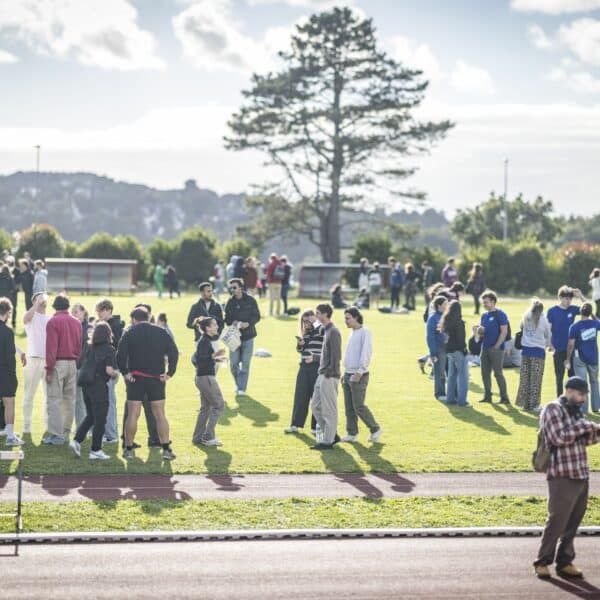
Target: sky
<point>141,90</point>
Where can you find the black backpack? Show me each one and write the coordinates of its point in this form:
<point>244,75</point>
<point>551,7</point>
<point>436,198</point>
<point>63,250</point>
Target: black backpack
<point>509,330</point>
<point>87,373</point>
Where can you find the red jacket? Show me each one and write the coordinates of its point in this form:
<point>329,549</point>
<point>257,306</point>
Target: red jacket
<point>63,339</point>
<point>270,269</point>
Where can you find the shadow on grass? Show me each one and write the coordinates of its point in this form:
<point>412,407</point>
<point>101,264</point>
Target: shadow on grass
<point>474,417</point>
<point>475,388</point>
<point>517,415</point>
<point>383,468</point>
<point>258,413</point>
<point>217,465</point>
<point>228,414</point>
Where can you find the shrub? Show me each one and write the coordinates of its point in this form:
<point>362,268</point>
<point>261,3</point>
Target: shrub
<point>237,246</point>
<point>579,258</point>
<point>5,240</point>
<point>194,255</point>
<point>529,268</point>
<point>41,241</point>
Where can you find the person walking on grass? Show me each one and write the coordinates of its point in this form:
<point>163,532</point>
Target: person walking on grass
<point>436,342</point>
<point>26,282</point>
<point>561,317</point>
<point>595,285</point>
<point>411,280</point>
<point>275,276</point>
<point>567,433</point>
<point>396,282</point>
<point>159,278</point>
<point>324,400</point>
<point>495,331</point>
<point>449,273</point>
<point>100,366</point>
<point>310,345</point>
<point>286,282</point>
<point>535,339</point>
<point>63,349</point>
<point>212,404</point>
<point>356,378</point>
<point>582,351</point>
<point>141,357</point>
<point>8,373</point>
<point>476,285</point>
<point>453,327</point>
<point>242,312</point>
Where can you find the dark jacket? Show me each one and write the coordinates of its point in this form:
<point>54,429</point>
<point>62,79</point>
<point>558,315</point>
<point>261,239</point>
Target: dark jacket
<point>246,310</point>
<point>205,363</point>
<point>143,348</point>
<point>199,310</point>
<point>7,286</point>
<point>117,325</point>
<point>8,362</point>
<point>456,341</point>
<point>27,282</point>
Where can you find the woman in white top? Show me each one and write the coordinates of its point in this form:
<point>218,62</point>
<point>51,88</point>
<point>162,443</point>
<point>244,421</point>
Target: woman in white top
<point>535,339</point>
<point>595,285</point>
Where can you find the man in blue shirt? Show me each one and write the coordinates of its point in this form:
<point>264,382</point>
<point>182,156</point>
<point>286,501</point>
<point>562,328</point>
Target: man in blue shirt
<point>495,325</point>
<point>561,317</point>
<point>436,342</point>
<point>583,348</point>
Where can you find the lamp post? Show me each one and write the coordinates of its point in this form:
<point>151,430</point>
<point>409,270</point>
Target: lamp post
<point>36,202</point>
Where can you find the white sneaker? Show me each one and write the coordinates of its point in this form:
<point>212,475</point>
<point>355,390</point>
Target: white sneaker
<point>241,393</point>
<point>349,438</point>
<point>442,398</point>
<point>2,432</point>
<point>98,455</point>
<point>14,440</point>
<point>291,429</point>
<point>76,447</point>
<point>214,442</point>
<point>374,437</point>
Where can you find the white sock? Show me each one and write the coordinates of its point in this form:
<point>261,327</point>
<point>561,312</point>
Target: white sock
<point>10,430</point>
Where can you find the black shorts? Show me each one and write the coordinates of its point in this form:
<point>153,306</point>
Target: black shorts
<point>146,388</point>
<point>8,385</point>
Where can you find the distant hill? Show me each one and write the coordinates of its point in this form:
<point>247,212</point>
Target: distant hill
<point>80,204</point>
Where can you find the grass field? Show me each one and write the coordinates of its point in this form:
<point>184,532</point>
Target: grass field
<point>420,433</point>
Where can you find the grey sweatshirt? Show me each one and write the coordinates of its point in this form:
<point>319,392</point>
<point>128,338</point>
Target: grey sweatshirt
<point>332,352</point>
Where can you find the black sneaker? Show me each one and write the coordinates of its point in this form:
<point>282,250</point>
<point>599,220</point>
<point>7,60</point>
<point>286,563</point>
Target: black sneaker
<point>336,439</point>
<point>168,454</point>
<point>486,400</point>
<point>505,401</point>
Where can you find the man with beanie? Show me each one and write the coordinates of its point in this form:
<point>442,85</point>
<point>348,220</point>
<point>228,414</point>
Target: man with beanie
<point>567,434</point>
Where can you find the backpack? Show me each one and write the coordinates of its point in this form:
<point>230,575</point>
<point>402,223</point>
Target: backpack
<point>508,331</point>
<point>540,459</point>
<point>279,271</point>
<point>87,373</point>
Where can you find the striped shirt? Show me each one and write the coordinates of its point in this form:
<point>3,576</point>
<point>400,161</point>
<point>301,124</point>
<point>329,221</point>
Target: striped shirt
<point>567,436</point>
<point>313,345</point>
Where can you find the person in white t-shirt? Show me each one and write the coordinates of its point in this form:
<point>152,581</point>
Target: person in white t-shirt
<point>35,320</point>
<point>595,285</point>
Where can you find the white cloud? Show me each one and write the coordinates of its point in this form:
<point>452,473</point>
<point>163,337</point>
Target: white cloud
<point>555,7</point>
<point>582,37</point>
<point>581,82</point>
<point>317,4</point>
<point>416,55</point>
<point>538,37</point>
<point>469,79</point>
<point>102,33</point>
<point>7,58</point>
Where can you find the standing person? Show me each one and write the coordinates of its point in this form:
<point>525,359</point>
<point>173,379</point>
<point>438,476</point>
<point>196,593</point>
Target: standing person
<point>495,325</point>
<point>7,284</point>
<point>357,359</point>
<point>172,281</point>
<point>324,400</point>
<point>63,349</point>
<point>436,342</point>
<point>101,354</point>
<point>286,282</point>
<point>396,282</point>
<point>310,345</point>
<point>35,321</point>
<point>81,314</point>
<point>275,275</point>
<point>15,273</point>
<point>452,325</point>
<point>427,274</point>
<point>141,357</point>
<point>535,339</point>
<point>449,274</point>
<point>219,277</point>
<point>250,276</point>
<point>476,285</point>
<point>375,282</point>
<point>410,287</point>
<point>104,311</point>
<point>212,404</point>
<point>163,323</point>
<point>205,307</point>
<point>261,275</point>
<point>26,283</point>
<point>242,312</point>
<point>159,278</point>
<point>40,277</point>
<point>566,433</point>
<point>561,317</point>
<point>595,285</point>
<point>583,351</point>
<point>8,373</point>
<point>363,274</point>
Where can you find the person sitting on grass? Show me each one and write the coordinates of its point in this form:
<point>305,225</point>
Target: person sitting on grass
<point>337,298</point>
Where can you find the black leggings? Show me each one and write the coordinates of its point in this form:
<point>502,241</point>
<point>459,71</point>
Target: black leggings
<point>396,290</point>
<point>305,385</point>
<point>559,371</point>
<point>95,397</point>
<point>476,301</point>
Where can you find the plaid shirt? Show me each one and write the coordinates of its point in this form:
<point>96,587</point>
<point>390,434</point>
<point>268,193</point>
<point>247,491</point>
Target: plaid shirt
<point>567,437</point>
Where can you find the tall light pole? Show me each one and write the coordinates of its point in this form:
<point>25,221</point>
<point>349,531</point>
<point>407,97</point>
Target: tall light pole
<point>505,203</point>
<point>36,202</point>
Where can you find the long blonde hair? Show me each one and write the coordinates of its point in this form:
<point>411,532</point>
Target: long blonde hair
<point>534,313</point>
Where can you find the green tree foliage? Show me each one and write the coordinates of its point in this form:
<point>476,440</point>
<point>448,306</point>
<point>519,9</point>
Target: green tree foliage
<point>581,229</point>
<point>529,268</point>
<point>526,220</point>
<point>195,255</point>
<point>338,121</point>
<point>160,249</point>
<point>579,259</point>
<point>102,245</point>
<point>236,246</point>
<point>5,240</point>
<point>374,247</point>
<point>41,241</point>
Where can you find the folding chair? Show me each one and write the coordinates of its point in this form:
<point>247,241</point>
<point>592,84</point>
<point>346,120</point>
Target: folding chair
<point>15,455</point>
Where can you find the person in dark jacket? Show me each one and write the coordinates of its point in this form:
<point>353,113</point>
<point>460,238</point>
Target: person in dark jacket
<point>172,281</point>
<point>286,282</point>
<point>27,283</point>
<point>205,307</point>
<point>476,285</point>
<point>242,312</point>
<point>141,357</point>
<point>15,273</point>
<point>7,284</point>
<point>212,404</point>
<point>452,325</point>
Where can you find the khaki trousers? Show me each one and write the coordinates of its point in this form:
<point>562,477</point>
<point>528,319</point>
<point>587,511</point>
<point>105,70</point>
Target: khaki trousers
<point>61,397</point>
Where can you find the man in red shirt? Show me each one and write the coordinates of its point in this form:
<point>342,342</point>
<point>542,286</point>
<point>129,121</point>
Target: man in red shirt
<point>275,276</point>
<point>63,347</point>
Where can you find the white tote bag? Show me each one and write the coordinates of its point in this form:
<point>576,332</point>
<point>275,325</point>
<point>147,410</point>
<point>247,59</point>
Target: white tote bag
<point>232,338</point>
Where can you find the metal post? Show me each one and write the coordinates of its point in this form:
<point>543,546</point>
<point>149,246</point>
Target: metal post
<point>505,203</point>
<point>19,496</point>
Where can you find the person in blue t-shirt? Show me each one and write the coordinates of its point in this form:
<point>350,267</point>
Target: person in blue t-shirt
<point>583,349</point>
<point>560,318</point>
<point>396,282</point>
<point>495,324</point>
<point>436,342</point>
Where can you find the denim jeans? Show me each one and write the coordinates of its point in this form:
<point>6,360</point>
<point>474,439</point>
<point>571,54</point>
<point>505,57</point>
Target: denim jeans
<point>458,378</point>
<point>111,431</point>
<point>439,374</point>
<point>588,372</point>
<point>240,364</point>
